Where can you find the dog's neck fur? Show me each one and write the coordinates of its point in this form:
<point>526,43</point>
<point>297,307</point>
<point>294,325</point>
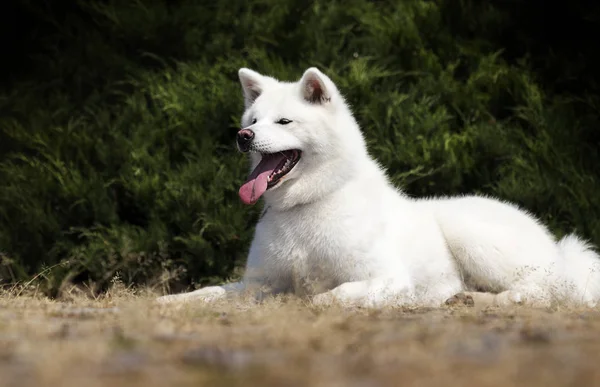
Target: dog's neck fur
<point>371,178</point>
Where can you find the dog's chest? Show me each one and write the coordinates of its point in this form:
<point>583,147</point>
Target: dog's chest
<point>314,254</point>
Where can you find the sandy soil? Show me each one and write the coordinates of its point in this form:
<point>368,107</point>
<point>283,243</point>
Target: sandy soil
<point>123,339</point>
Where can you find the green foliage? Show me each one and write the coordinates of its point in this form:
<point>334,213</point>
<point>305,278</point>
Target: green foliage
<point>117,156</point>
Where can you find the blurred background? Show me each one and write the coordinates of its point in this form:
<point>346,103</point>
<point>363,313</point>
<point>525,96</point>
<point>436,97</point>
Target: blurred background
<point>117,120</point>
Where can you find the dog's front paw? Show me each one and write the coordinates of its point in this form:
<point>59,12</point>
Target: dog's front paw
<point>324,299</point>
<point>208,294</point>
<point>349,294</point>
<point>509,298</point>
<point>166,299</point>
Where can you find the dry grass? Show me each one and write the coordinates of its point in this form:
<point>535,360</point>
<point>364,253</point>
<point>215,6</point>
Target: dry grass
<point>123,339</point>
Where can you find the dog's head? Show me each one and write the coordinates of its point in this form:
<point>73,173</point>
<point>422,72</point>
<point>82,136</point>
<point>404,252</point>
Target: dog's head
<point>301,137</point>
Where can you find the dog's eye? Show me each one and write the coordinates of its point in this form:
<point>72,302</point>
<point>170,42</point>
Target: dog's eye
<point>283,121</point>
<point>253,121</point>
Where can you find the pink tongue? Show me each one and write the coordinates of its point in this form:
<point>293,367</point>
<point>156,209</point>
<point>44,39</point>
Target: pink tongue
<point>256,185</point>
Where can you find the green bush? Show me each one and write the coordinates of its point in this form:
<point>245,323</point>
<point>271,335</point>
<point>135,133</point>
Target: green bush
<point>116,149</point>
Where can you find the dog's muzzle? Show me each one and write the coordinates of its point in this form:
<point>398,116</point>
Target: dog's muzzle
<point>244,139</point>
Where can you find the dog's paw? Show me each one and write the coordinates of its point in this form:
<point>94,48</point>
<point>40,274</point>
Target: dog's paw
<point>460,299</point>
<point>335,298</point>
<point>208,294</point>
<point>484,299</point>
<point>346,294</point>
<point>509,298</point>
<point>324,299</point>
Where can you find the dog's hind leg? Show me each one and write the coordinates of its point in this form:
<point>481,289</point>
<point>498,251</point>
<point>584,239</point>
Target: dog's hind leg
<point>528,294</point>
<point>484,299</point>
<point>499,248</point>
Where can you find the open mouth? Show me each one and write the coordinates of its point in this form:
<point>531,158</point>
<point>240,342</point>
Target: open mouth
<point>288,161</point>
<point>268,173</point>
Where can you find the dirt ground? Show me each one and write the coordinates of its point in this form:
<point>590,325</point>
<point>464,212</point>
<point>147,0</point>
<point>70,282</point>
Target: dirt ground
<point>123,339</point>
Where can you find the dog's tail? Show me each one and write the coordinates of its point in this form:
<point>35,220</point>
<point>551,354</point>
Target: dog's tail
<point>582,266</point>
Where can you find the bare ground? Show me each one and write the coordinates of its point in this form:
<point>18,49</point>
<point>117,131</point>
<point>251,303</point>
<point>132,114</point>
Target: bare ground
<point>123,339</point>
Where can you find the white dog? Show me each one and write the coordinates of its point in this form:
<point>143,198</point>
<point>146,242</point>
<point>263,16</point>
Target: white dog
<point>334,227</point>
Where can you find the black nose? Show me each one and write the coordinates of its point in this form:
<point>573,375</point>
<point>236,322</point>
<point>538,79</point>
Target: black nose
<point>244,139</point>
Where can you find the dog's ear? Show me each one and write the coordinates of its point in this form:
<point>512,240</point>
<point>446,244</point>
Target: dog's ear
<point>252,85</point>
<point>315,86</point>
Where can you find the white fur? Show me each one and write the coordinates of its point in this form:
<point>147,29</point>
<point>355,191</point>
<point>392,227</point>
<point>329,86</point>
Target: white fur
<point>336,229</point>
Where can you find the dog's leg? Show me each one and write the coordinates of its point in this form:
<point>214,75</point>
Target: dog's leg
<point>207,294</point>
<point>485,299</point>
<point>501,249</point>
<point>254,282</point>
<point>521,294</point>
<point>377,292</point>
